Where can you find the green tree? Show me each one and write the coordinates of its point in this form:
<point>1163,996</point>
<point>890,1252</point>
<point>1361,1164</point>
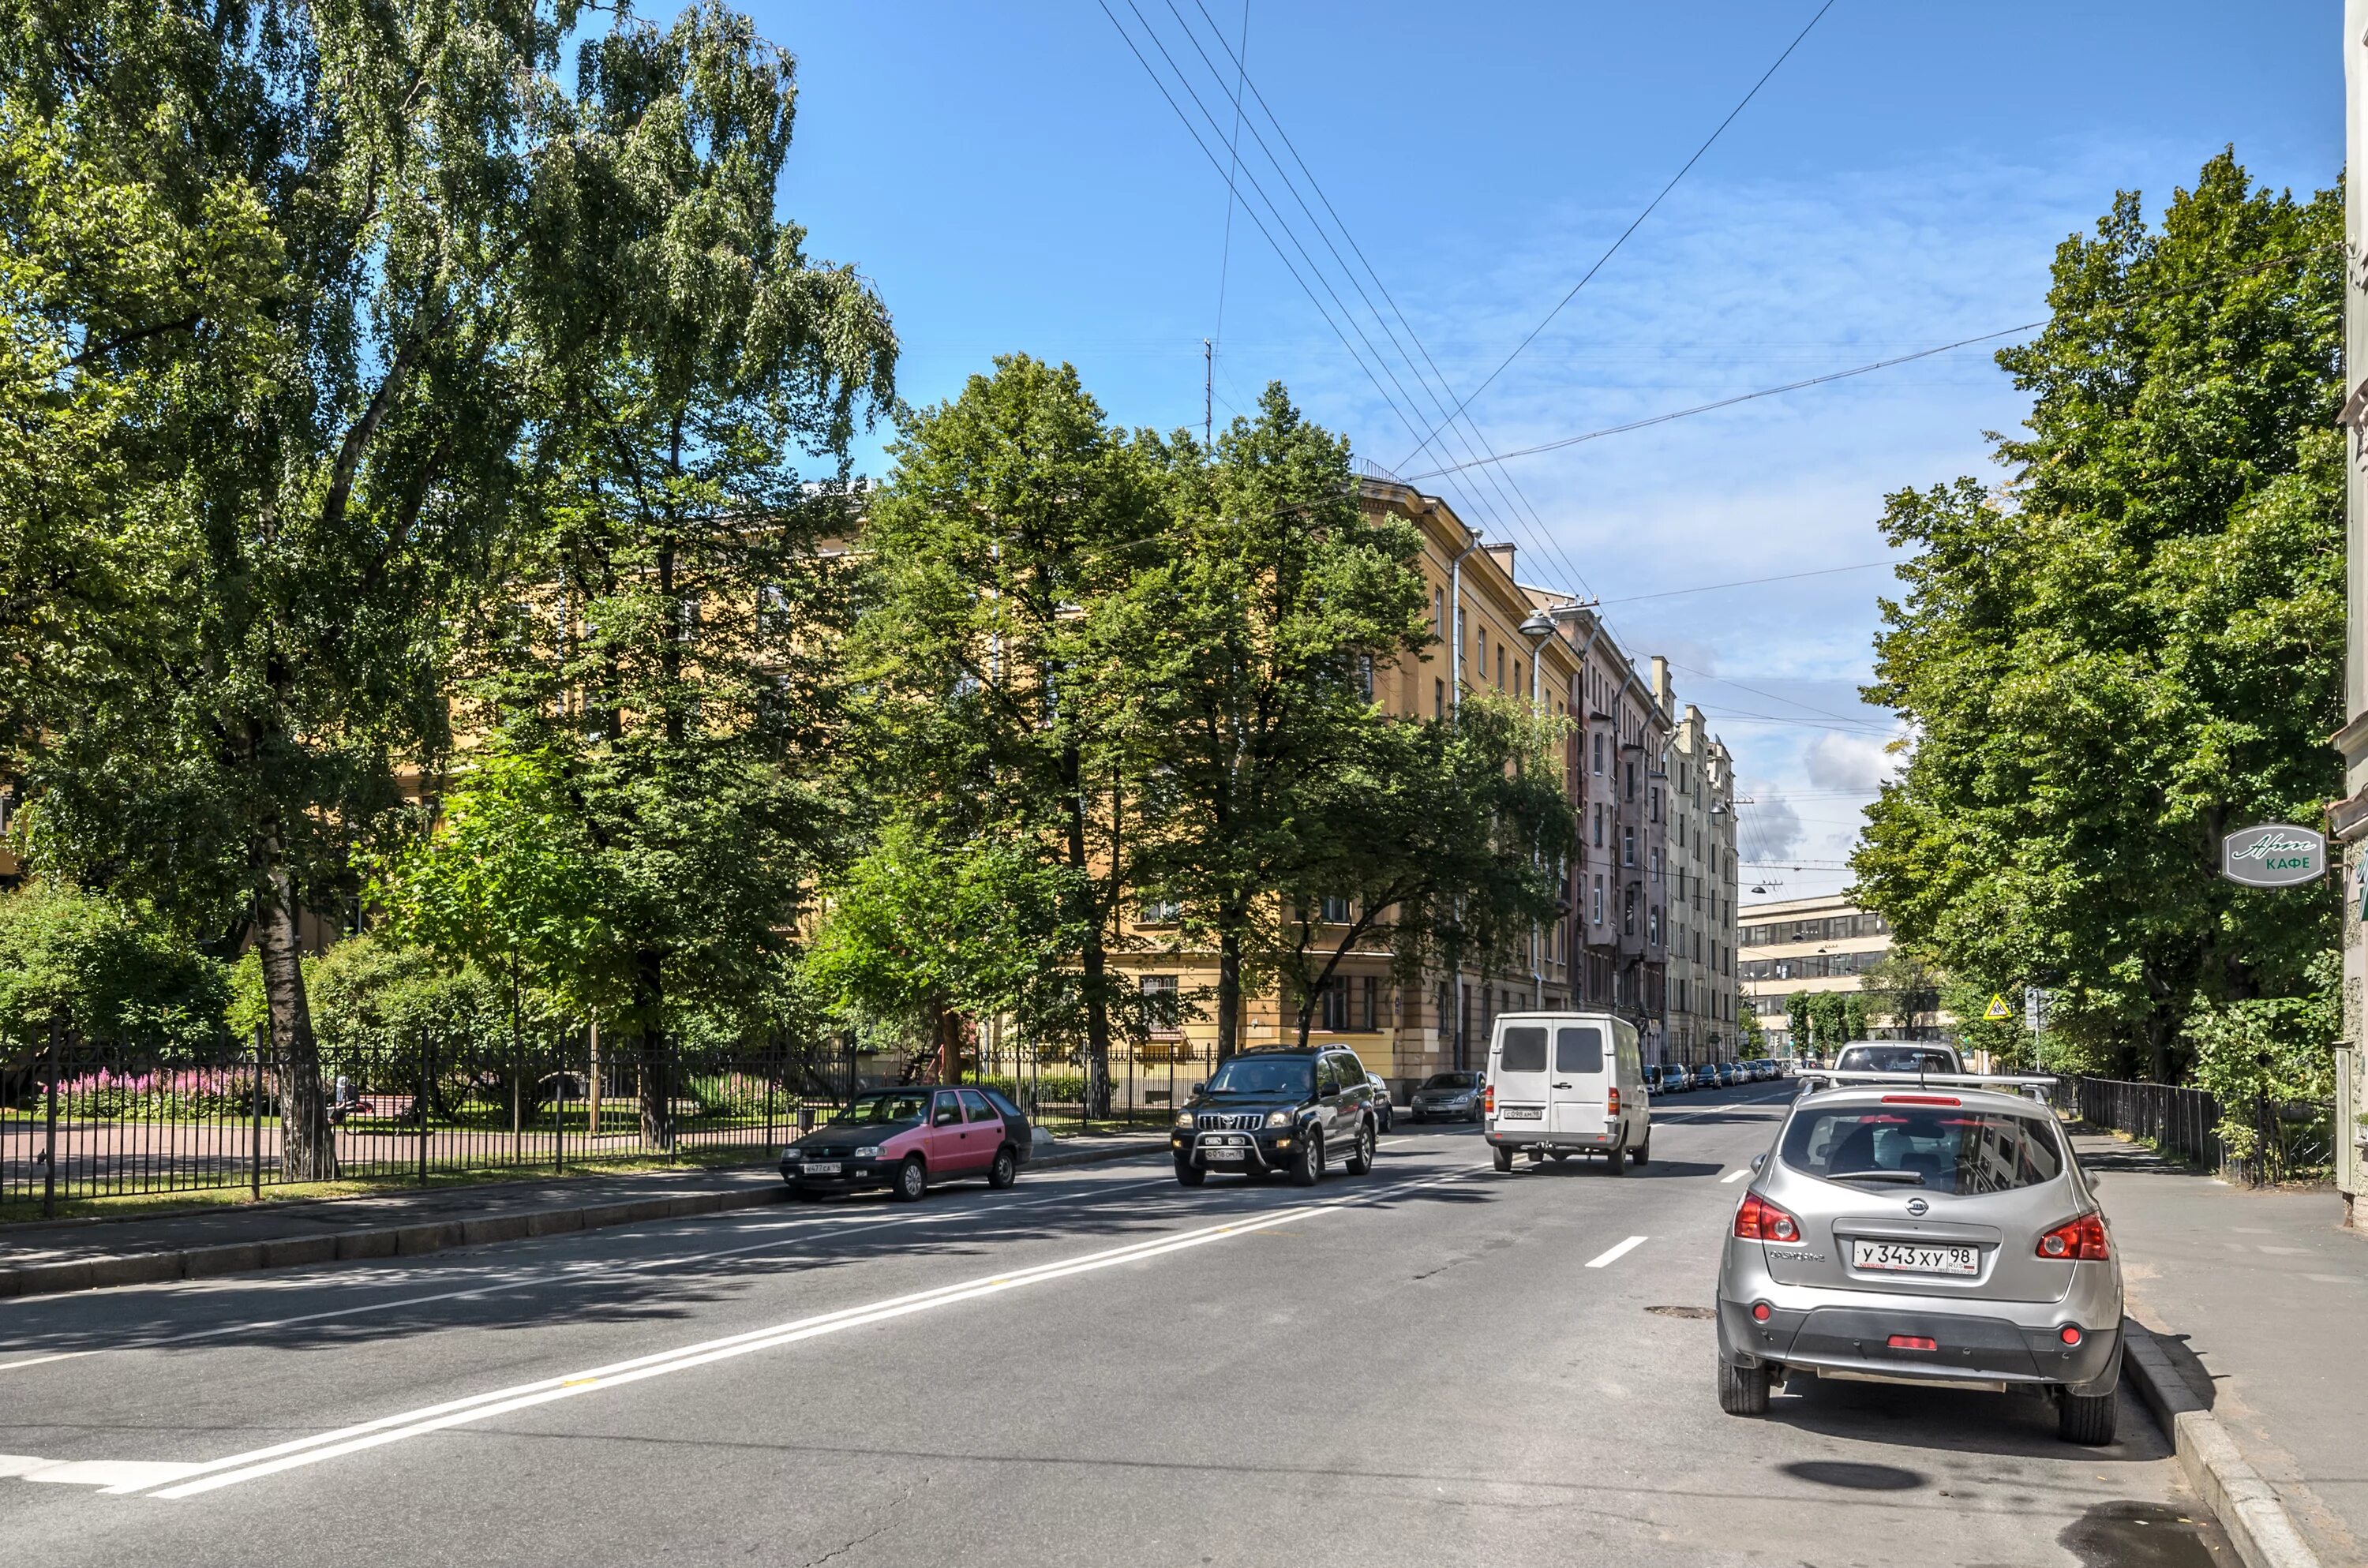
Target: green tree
<point>1000,554</point>
<point>1445,840</point>
<point>289,317</point>
<point>1797,1023</point>
<point>2268,1048</point>
<point>1905,989</point>
<point>102,969</point>
<point>1854,1017</point>
<point>1828,1019</point>
<point>925,934</point>
<point>1751,1037</point>
<point>2133,645</point>
<point>1249,663</point>
<point>666,645</point>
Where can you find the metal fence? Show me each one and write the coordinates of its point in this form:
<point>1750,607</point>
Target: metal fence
<point>82,1119</point>
<point>2286,1139</point>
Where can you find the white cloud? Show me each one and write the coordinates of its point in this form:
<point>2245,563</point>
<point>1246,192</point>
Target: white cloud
<point>1767,829</point>
<point>1857,763</point>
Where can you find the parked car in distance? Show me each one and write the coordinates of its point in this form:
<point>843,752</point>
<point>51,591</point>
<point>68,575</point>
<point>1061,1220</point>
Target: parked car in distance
<point>1729,1074</point>
<point>1445,1097</point>
<point>1652,1079</point>
<point>1278,1111</point>
<point>907,1139</point>
<point>1886,1056</point>
<point>1383,1109</point>
<point>1677,1077</point>
<point>1923,1237</point>
<point>1565,1083</point>
<point>1706,1075</point>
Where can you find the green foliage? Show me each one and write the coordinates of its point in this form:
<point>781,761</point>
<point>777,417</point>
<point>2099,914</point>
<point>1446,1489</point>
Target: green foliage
<point>919,928</point>
<point>1246,666</point>
<point>1828,1019</point>
<point>104,969</point>
<point>2133,646</point>
<point>1797,1022</point>
<point>1854,1017</point>
<point>2272,1047</point>
<point>1751,1037</point>
<point>1002,552</point>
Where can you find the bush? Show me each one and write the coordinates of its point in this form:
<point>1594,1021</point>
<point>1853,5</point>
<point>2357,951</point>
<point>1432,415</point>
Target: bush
<point>2274,1048</point>
<point>107,969</point>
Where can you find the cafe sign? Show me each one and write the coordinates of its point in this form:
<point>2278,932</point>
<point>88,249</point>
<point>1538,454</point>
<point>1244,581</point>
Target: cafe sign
<point>2274,855</point>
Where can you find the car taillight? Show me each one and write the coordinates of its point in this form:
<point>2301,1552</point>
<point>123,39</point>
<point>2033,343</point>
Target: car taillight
<point>2077,1241</point>
<point>1488,1100</point>
<point>1611,1102</point>
<point>1757,1219</point>
<point>1921,1099</point>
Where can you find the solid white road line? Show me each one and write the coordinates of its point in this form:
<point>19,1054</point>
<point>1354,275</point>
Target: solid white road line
<point>478,1407</point>
<point>1735,1175</point>
<point>842,1224</point>
<point>1616,1254</point>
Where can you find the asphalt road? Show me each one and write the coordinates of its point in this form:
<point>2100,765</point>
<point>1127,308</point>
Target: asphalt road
<point>1429,1364</point>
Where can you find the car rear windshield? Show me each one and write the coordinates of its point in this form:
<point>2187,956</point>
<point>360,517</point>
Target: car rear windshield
<point>1879,1059</point>
<point>1448,1081</point>
<point>1523,1050</point>
<point>1271,1075</point>
<point>1940,1148</point>
<point>895,1104</point>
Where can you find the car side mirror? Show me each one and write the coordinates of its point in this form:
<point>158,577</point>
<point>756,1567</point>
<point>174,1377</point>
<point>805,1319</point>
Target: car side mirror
<point>1757,1163</point>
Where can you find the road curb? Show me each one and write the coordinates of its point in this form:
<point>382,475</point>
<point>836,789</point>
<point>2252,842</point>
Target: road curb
<point>2247,1506</point>
<point>416,1240</point>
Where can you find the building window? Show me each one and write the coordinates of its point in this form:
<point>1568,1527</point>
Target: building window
<point>1161,912</point>
<point>1653,926</point>
<point>1336,910</point>
<point>1159,1006</point>
<point>1439,700</point>
<point>1370,1009</point>
<point>1627,845</point>
<point>1599,898</point>
<point>1656,857</point>
<point>1598,818</point>
<point>1628,910</point>
<point>1632,781</point>
<point>1599,754</point>
<point>1332,1006</point>
<point>1439,613</point>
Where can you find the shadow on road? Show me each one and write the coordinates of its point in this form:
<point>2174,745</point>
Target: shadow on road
<point>685,1274</point>
<point>1956,1420</point>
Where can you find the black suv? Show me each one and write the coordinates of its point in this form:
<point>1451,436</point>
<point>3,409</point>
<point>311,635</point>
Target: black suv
<point>1279,1110</point>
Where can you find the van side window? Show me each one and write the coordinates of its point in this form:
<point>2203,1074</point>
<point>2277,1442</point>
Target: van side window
<point>1578,1049</point>
<point>1524,1050</point>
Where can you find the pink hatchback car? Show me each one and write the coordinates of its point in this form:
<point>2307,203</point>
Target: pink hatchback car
<point>908,1139</point>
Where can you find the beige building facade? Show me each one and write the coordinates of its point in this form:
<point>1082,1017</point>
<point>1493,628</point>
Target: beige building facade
<point>1701,992</point>
<point>1805,946</point>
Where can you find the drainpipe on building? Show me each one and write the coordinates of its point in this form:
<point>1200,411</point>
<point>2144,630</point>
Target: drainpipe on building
<point>1455,705</point>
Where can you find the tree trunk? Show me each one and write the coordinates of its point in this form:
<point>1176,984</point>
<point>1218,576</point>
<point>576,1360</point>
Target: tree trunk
<point>1229,992</point>
<point>657,1079</point>
<point>308,1147</point>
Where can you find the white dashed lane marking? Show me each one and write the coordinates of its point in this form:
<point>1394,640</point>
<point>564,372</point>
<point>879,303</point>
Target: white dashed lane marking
<point>1735,1175</point>
<point>1616,1254</point>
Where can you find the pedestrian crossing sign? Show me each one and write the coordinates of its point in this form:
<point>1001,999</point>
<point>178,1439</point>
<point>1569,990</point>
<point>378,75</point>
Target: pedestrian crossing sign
<point>1998,1012</point>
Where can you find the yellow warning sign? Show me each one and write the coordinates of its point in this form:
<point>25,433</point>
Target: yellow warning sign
<point>1998,1012</point>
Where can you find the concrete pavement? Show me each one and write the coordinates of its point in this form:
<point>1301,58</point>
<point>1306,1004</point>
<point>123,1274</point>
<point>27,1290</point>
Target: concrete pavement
<point>2259,1296</point>
<point>1431,1364</point>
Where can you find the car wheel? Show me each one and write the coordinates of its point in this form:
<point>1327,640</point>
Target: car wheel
<point>1617,1158</point>
<point>1006,1169</point>
<point>1360,1158</point>
<point>1644,1155</point>
<point>1307,1165</point>
<point>912,1181</point>
<point>1742,1391</point>
<point>1504,1159</point>
<point>2087,1418</point>
<point>1187,1172</point>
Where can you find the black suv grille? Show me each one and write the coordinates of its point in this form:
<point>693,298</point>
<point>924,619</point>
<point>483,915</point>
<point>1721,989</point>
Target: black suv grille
<point>1231,1121</point>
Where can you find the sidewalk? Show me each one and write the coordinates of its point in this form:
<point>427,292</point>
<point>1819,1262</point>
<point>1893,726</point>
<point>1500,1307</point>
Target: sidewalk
<point>2263,1301</point>
<point>40,1258</point>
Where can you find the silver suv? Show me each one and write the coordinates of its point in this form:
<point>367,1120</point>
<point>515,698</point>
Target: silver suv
<point>1947,1238</point>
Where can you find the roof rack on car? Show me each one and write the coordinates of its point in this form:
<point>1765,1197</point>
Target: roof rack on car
<point>2036,1086</point>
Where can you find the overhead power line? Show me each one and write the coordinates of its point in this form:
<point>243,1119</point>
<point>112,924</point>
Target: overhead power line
<point>1742,582</point>
<point>1613,248</point>
<point>2112,305</point>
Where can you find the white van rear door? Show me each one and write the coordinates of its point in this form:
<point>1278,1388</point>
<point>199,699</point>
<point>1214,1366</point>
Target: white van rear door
<point>1582,1071</point>
<point>1519,1075</point>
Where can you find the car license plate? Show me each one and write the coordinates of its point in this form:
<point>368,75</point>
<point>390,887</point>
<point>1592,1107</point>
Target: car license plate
<point>1230,1152</point>
<point>1899,1257</point>
<point>1523,1113</point>
<point>820,1167</point>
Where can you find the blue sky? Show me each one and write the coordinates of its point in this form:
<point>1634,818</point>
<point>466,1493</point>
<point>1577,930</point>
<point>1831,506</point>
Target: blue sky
<point>1011,179</point>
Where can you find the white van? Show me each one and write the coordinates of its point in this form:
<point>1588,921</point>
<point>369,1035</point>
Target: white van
<point>1565,1083</point>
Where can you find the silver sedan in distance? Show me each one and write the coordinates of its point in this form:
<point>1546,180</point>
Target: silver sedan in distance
<point>1945,1238</point>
